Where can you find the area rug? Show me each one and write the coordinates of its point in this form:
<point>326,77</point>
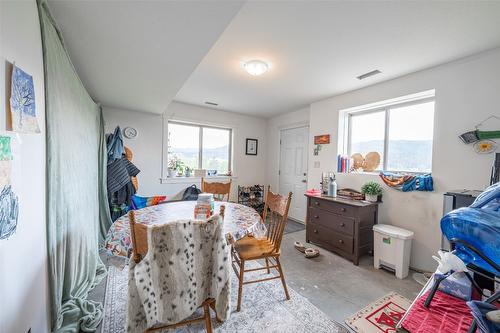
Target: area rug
<point>264,309</point>
<point>381,315</point>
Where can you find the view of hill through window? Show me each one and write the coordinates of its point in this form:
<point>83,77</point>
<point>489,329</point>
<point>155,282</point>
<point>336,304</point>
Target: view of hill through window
<point>410,132</point>
<point>184,145</point>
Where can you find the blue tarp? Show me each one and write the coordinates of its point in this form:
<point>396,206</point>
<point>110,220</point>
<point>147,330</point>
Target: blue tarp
<point>479,226</point>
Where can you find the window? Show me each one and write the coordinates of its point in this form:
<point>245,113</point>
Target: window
<point>200,147</point>
<point>400,132</point>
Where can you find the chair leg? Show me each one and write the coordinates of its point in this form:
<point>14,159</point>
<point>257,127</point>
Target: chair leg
<point>240,286</point>
<point>217,317</point>
<point>208,321</point>
<point>282,278</point>
<point>267,265</point>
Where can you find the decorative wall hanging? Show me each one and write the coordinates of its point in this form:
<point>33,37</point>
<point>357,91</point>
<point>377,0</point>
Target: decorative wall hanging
<point>477,135</point>
<point>22,102</point>
<point>9,203</point>
<point>485,146</point>
<point>319,140</point>
<point>316,150</point>
<point>406,183</point>
<point>251,147</point>
<point>323,139</point>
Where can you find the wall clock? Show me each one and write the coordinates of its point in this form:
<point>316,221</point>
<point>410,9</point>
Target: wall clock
<point>130,132</point>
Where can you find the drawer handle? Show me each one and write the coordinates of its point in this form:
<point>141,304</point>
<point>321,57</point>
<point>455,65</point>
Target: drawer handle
<point>341,241</point>
<point>342,224</point>
<point>315,231</point>
<point>342,209</point>
<point>316,216</point>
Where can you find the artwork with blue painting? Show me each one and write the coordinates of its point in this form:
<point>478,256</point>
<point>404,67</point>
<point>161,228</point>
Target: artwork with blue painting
<point>9,211</point>
<point>9,202</point>
<point>22,102</point>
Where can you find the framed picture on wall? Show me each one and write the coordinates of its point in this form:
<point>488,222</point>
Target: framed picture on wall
<point>251,147</point>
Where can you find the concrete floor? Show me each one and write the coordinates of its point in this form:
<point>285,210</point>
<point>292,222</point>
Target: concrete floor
<point>335,285</point>
<point>330,282</point>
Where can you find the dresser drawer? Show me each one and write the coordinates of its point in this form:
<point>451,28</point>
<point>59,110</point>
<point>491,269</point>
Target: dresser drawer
<point>330,220</point>
<point>329,238</point>
<point>333,207</point>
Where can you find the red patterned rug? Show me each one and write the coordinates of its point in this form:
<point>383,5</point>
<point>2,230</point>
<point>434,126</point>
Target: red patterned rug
<point>380,316</point>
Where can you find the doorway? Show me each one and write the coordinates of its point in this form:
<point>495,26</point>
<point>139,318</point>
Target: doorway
<point>293,169</point>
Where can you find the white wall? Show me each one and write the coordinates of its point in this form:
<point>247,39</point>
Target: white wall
<point>148,150</point>
<point>24,291</point>
<point>274,126</point>
<point>467,91</point>
<point>146,147</point>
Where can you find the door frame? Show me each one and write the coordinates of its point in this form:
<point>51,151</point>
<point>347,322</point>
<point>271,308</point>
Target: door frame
<point>290,127</point>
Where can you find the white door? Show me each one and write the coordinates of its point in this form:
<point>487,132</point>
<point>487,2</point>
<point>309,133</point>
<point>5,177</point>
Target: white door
<point>293,169</point>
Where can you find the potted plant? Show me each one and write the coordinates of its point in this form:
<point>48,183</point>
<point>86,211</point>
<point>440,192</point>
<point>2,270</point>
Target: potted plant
<point>175,166</point>
<point>187,171</point>
<point>371,190</point>
<point>172,166</point>
<point>180,168</point>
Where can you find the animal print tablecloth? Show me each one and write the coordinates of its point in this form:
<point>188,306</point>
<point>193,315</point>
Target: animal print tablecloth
<point>238,221</point>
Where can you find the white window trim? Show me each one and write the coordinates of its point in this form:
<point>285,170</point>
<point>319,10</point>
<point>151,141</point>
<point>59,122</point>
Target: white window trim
<point>201,126</point>
<point>382,106</point>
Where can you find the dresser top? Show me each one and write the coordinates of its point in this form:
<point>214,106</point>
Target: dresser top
<point>346,201</point>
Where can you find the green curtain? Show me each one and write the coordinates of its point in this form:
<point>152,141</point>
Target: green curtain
<point>76,176</point>
<point>104,213</point>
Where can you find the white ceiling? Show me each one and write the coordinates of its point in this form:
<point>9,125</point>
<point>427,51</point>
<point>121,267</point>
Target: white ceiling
<point>137,54</point>
<point>140,55</point>
<point>318,48</point>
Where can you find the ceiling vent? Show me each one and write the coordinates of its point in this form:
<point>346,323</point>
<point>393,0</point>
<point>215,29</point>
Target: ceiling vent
<point>366,75</point>
<point>211,103</point>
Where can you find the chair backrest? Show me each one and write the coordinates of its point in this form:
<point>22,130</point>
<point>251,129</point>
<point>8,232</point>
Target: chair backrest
<point>276,212</point>
<point>219,190</point>
<point>139,235</point>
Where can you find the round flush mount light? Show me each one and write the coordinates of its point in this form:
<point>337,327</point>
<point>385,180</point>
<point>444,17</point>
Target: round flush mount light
<point>256,67</point>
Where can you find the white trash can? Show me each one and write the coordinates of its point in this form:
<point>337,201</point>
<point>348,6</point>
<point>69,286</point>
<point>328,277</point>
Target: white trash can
<point>392,247</point>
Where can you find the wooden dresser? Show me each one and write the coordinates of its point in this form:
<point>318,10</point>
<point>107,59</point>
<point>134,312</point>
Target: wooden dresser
<point>341,225</point>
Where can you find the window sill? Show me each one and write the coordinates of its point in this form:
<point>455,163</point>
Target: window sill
<point>191,180</point>
<point>377,173</point>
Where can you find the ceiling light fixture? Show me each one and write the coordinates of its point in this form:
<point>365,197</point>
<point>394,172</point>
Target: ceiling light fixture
<point>256,67</point>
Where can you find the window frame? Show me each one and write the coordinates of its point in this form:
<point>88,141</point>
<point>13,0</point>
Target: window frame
<point>200,143</point>
<point>387,114</point>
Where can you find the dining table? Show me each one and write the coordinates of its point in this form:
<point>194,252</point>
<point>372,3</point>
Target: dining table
<point>239,220</point>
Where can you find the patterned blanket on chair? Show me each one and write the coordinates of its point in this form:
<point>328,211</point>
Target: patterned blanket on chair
<point>187,262</point>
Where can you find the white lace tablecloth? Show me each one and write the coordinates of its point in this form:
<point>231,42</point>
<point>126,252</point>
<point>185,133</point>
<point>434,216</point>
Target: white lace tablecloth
<point>238,221</point>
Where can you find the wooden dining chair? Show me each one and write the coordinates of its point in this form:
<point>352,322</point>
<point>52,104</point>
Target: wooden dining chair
<point>219,190</point>
<point>250,248</point>
<point>139,237</point>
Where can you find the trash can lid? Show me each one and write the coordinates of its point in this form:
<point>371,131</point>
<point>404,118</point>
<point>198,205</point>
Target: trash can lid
<point>392,231</point>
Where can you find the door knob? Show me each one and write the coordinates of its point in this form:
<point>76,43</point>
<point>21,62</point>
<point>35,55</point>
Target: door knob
<point>315,231</point>
<point>342,224</point>
<point>341,241</point>
<point>316,203</point>
<point>304,180</point>
<point>342,209</point>
<point>316,216</point>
